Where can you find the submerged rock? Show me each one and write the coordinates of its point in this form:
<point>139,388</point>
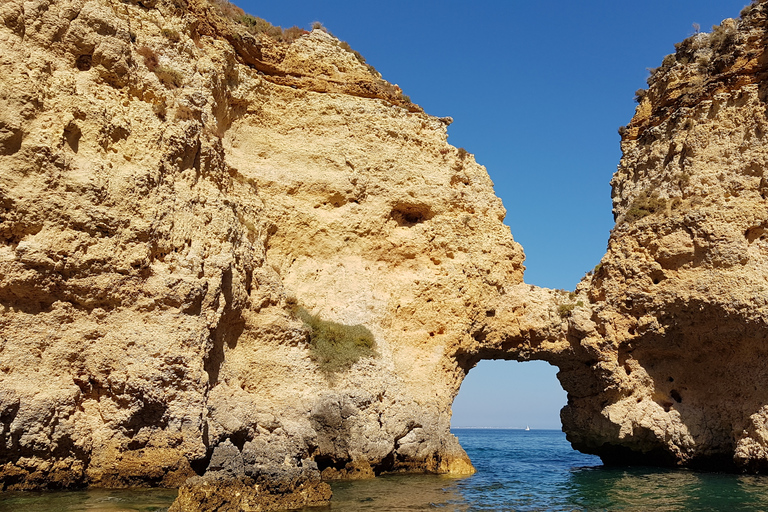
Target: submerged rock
<point>270,491</point>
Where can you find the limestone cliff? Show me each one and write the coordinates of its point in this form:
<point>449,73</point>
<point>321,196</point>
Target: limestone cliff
<point>174,189</point>
<point>680,300</point>
<point>179,194</point>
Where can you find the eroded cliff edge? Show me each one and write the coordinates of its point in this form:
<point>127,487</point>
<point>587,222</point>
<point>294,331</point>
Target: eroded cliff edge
<point>680,299</point>
<point>174,188</point>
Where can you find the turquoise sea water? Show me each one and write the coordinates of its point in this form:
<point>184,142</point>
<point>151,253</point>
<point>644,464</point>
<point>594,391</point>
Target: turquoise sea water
<point>517,471</point>
<point>539,471</point>
<point>97,500</point>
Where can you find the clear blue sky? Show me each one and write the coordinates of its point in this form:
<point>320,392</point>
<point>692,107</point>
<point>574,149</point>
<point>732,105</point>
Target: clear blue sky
<point>537,91</point>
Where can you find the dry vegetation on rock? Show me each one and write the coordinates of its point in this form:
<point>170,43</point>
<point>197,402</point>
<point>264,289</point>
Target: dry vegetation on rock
<point>336,347</point>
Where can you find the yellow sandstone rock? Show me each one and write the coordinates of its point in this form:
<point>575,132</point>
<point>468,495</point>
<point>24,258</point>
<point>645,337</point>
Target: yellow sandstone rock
<point>178,196</point>
<point>680,298</point>
<point>173,189</point>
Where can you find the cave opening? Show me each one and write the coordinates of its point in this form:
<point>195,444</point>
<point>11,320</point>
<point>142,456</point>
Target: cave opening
<point>510,395</point>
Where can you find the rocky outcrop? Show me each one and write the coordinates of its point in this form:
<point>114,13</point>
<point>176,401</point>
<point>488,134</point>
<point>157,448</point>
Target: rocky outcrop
<point>233,263</point>
<point>662,348</point>
<point>174,190</point>
<point>679,300</point>
<point>233,483</point>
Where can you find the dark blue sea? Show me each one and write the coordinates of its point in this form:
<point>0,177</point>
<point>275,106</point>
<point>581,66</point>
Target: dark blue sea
<point>516,471</point>
<point>538,470</point>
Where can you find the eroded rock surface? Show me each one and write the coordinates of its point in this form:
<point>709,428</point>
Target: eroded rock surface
<point>680,300</point>
<point>173,188</point>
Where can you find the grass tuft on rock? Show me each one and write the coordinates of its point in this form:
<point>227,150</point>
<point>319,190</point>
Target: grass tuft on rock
<point>565,310</point>
<point>645,204</point>
<point>336,347</point>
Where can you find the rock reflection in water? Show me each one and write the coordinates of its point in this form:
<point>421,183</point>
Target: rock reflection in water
<point>395,493</point>
<point>96,500</point>
<point>640,489</point>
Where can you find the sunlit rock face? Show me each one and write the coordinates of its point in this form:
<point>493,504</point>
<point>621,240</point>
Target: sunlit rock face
<point>662,349</point>
<point>176,192</point>
<point>173,190</point>
<point>679,301</point>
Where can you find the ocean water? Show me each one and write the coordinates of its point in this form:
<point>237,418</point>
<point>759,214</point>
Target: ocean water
<point>538,470</point>
<point>96,500</point>
<point>535,470</point>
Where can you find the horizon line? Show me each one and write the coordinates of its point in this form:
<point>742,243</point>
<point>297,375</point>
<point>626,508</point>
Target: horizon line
<point>505,428</point>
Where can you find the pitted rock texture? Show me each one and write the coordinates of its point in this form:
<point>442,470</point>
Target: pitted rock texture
<point>231,484</point>
<point>680,300</point>
<point>171,188</point>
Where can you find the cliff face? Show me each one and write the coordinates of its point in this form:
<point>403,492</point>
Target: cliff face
<point>174,190</point>
<point>680,298</point>
<point>179,195</point>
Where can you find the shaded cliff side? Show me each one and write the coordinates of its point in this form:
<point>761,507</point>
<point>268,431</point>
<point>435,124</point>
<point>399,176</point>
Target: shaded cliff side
<point>680,300</point>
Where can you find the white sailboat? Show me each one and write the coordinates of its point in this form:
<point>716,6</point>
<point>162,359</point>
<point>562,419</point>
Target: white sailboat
<point>527,428</point>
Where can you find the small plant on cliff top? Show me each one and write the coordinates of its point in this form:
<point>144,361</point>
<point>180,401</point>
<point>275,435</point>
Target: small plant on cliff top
<point>293,33</point>
<point>256,25</point>
<point>335,347</point>
<point>748,9</point>
<point>359,56</point>
<point>260,26</point>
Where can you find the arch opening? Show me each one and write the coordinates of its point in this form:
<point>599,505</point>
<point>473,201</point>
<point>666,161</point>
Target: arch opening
<point>510,394</point>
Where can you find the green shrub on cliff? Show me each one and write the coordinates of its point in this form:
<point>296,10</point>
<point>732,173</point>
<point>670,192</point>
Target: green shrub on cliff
<point>565,310</point>
<point>645,204</point>
<point>260,26</point>
<point>336,347</point>
<point>256,25</point>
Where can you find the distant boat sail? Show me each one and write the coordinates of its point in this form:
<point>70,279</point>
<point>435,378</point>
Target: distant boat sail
<point>527,427</point>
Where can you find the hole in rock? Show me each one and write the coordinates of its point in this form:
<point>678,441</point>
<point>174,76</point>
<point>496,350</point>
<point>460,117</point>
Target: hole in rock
<point>337,200</point>
<point>239,438</point>
<point>326,461</point>
<point>509,394</point>
<point>755,233</point>
<point>72,136</point>
<point>83,62</point>
<point>506,416</point>
<point>411,214</point>
<point>657,276</point>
